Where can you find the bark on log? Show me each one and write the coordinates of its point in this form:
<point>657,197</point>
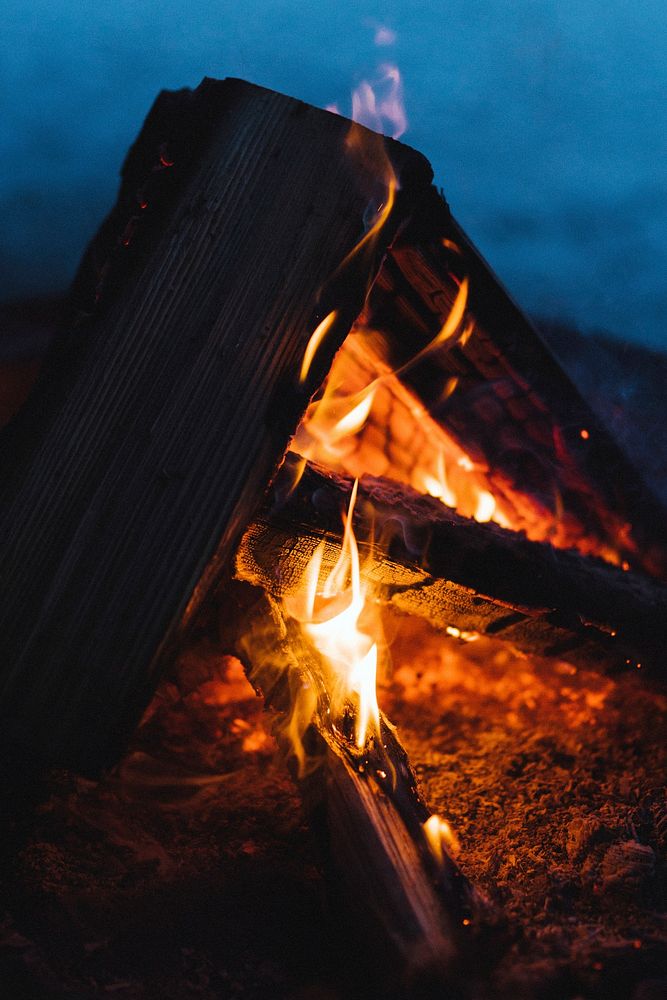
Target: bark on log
<point>418,914</point>
<point>514,411</point>
<point>169,401</point>
<point>429,561</point>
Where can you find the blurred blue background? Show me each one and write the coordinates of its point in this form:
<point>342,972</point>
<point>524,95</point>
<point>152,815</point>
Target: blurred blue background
<point>544,121</point>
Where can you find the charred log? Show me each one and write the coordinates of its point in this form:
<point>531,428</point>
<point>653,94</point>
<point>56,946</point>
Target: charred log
<point>461,575</point>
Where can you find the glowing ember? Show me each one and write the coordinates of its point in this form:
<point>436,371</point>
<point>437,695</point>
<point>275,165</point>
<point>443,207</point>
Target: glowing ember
<point>330,610</point>
<point>346,428</point>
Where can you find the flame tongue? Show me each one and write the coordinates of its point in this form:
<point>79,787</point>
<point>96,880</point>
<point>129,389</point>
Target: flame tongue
<point>330,611</point>
<point>378,104</point>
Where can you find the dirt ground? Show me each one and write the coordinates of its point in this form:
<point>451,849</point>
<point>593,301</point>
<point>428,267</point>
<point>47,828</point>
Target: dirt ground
<point>553,779</point>
<point>191,872</point>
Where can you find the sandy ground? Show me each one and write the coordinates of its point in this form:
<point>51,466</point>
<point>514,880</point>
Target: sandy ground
<point>190,871</point>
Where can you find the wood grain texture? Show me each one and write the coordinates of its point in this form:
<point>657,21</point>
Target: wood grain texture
<point>429,561</point>
<point>157,427</point>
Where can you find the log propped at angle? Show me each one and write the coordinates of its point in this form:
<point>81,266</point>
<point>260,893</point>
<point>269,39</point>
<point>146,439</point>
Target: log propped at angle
<point>400,890</point>
<point>514,411</point>
<point>429,561</point>
<point>169,400</point>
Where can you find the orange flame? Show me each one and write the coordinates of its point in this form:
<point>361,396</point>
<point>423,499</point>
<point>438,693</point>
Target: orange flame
<point>332,423</point>
<point>446,334</point>
<point>329,610</point>
<point>383,213</point>
<point>374,104</point>
<point>337,416</point>
<point>317,336</point>
<point>335,425</point>
<point>440,837</point>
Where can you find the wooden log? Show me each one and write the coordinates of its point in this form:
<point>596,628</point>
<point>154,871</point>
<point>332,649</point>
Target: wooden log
<point>409,903</point>
<point>461,575</point>
<point>514,411</point>
<point>169,400</point>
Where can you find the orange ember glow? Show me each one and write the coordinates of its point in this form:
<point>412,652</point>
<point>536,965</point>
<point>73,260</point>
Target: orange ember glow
<point>366,421</point>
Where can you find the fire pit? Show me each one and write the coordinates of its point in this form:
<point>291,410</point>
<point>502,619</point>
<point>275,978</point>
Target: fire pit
<point>275,279</point>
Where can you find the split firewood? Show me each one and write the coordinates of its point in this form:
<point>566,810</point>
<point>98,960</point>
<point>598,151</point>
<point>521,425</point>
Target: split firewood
<point>464,577</point>
<point>398,885</point>
<point>244,218</point>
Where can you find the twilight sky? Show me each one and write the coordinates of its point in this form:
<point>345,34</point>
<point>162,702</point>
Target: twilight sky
<point>545,122</point>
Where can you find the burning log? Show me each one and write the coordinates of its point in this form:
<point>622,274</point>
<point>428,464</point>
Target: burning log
<point>248,231</point>
<point>399,885</point>
<point>496,388</point>
<point>244,218</point>
<point>464,577</point>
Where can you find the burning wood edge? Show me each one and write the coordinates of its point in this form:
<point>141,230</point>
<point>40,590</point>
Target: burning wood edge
<point>462,576</point>
<point>413,906</point>
<point>514,411</point>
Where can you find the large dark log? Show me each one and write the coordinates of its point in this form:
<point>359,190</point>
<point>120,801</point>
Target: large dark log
<point>406,897</point>
<point>429,561</point>
<point>514,411</point>
<point>168,403</point>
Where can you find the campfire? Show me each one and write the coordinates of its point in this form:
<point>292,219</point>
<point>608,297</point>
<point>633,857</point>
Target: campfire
<point>293,400</point>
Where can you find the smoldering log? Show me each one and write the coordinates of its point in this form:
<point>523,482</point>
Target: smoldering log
<point>406,899</point>
<point>461,575</point>
<point>169,398</point>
